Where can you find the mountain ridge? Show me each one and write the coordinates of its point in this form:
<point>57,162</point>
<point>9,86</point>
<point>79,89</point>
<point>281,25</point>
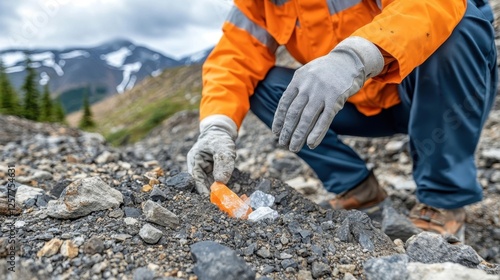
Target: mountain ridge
<point>100,71</point>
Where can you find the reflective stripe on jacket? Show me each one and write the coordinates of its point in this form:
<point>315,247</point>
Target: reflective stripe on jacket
<point>408,30</point>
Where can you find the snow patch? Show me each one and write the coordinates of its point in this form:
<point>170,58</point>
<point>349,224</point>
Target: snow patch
<point>74,54</point>
<point>42,56</point>
<point>62,62</point>
<point>44,78</point>
<point>117,58</point>
<point>52,63</point>
<point>35,65</point>
<point>156,73</point>
<point>12,58</point>
<point>127,82</point>
<point>14,69</point>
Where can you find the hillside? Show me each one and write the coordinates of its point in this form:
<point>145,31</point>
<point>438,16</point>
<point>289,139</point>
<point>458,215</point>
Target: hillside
<point>129,116</point>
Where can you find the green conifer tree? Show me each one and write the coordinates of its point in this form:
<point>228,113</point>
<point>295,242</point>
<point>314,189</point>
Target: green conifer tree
<point>58,112</point>
<point>9,102</point>
<point>47,113</point>
<point>86,122</point>
<point>31,105</point>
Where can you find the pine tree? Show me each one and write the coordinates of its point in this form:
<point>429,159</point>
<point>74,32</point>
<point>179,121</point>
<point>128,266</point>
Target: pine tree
<point>47,107</point>
<point>31,106</point>
<point>58,112</point>
<point>86,122</point>
<point>9,103</point>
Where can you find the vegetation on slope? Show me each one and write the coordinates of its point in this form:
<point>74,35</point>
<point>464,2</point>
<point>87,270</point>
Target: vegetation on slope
<point>128,117</point>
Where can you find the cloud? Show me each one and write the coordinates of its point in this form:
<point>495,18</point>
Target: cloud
<point>173,27</point>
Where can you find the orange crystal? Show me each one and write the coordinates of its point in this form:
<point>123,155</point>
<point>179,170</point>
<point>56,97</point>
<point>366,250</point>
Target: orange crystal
<point>228,201</point>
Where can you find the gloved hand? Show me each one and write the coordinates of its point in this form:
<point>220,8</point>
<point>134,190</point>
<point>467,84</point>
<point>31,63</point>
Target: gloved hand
<point>212,156</point>
<point>319,90</point>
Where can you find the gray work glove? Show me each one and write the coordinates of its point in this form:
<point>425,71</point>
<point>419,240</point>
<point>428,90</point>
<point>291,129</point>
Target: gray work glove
<point>319,90</point>
<point>212,156</point>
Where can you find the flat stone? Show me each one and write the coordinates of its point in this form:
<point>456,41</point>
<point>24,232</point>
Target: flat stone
<point>150,234</point>
<point>387,268</point>
<point>428,247</point>
<point>132,212</point>
<point>50,248</point>
<point>116,213</point>
<point>182,181</point>
<point>159,215</point>
<point>41,175</point>
<point>83,197</point>
<point>216,261</point>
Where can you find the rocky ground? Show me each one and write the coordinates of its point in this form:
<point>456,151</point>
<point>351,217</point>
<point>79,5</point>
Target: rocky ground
<point>91,211</point>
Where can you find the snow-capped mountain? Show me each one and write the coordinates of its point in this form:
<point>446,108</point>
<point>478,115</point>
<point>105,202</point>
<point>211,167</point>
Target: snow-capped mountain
<point>110,68</point>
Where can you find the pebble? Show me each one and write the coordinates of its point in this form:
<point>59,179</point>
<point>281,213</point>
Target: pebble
<point>129,221</point>
<point>150,234</point>
<point>263,252</point>
<point>117,213</point>
<point>94,245</point>
<point>69,249</point>
<point>50,248</point>
<point>159,215</point>
<point>320,269</point>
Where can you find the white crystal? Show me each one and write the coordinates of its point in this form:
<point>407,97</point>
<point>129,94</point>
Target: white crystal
<point>261,199</point>
<point>263,213</point>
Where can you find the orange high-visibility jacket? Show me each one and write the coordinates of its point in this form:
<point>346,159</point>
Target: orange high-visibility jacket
<point>406,31</point>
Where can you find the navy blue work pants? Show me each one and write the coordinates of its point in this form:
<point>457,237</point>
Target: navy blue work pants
<point>444,105</point>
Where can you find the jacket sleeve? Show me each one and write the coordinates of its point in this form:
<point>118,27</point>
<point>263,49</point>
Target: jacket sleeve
<point>242,58</point>
<point>410,31</point>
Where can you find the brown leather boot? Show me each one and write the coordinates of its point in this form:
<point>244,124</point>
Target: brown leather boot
<point>367,197</point>
<point>447,222</point>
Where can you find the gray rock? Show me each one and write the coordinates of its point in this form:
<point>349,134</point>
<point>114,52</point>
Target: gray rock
<point>215,261</point>
<point>143,273</point>
<point>263,252</point>
<point>159,215</point>
<point>428,247</point>
<point>387,268</point>
<point>150,234</point>
<point>83,197</point>
<point>320,269</point>
<point>93,246</point>
<point>25,193</point>
<point>157,194</point>
<point>396,225</point>
<point>182,181</point>
<point>41,175</point>
<point>117,213</point>
<point>132,212</point>
<point>356,227</point>
<point>289,263</point>
<point>445,271</point>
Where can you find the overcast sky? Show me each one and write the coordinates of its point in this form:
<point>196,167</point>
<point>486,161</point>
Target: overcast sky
<point>173,27</point>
